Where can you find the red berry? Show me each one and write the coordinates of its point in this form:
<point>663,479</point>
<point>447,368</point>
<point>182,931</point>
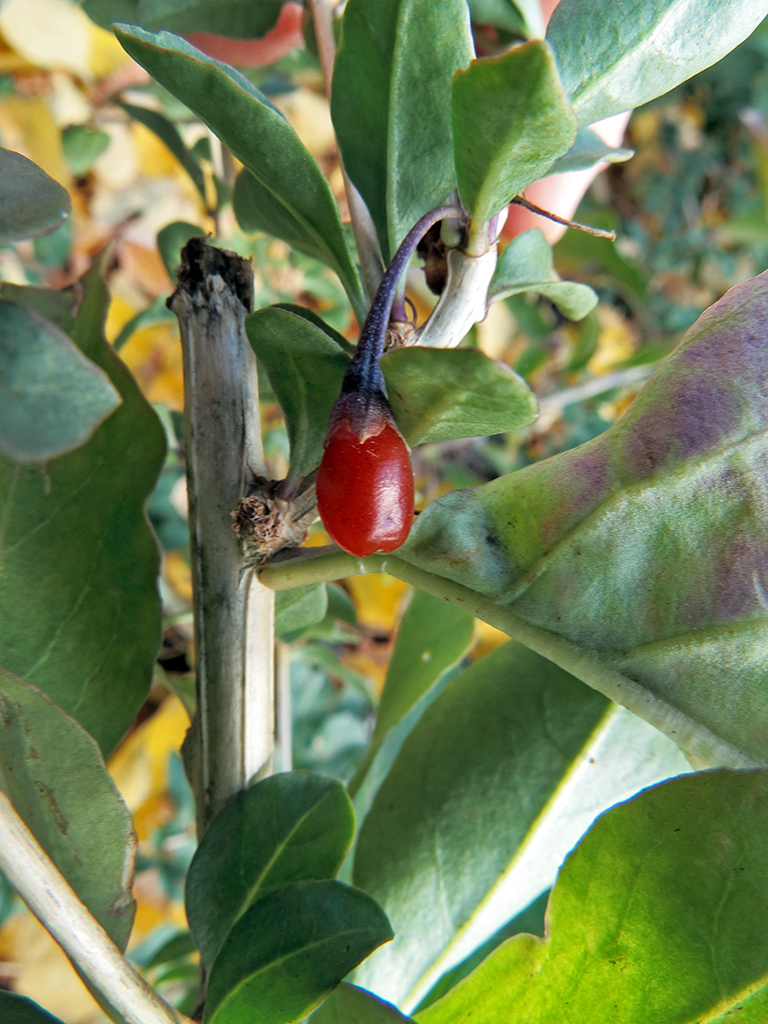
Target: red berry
<point>365,488</point>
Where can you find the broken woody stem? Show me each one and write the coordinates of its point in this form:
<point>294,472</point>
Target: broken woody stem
<point>232,737</point>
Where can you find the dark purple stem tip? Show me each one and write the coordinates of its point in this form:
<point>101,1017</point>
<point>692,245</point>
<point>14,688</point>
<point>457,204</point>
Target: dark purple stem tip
<point>363,373</point>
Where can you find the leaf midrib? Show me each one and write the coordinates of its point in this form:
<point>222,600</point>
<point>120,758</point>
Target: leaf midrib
<point>510,140</point>
<point>253,890</point>
<point>279,849</point>
<point>709,632</point>
<point>322,185</point>
<point>729,1004</point>
<point>596,671</point>
<point>279,960</point>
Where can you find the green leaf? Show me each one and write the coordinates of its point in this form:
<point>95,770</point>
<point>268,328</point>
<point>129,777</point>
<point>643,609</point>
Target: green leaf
<point>54,249</point>
<point>56,306</point>
<point>587,150</point>
<point>526,266</point>
<point>440,394</point>
<point>53,774</point>
<point>106,12</point>
<point>168,134</point>
<point>432,637</point>
<point>391,106</point>
<point>531,920</point>
<point>340,604</point>
<point>498,779</point>
<point>286,828</point>
<point>301,607</point>
<point>614,57</point>
<point>238,19</point>
<point>305,367</point>
<point>433,392</point>
<point>659,914</point>
<point>257,209</point>
<point>585,344</point>
<point>645,547</point>
<point>576,249</point>
<point>78,561</point>
<point>52,397</point>
<point>31,203</point>
<point>320,656</point>
<point>82,148</point>
<point>289,950</point>
<point>20,1010</point>
<point>511,119</point>
<point>178,947</point>
<point>170,241</point>
<point>313,318</point>
<point>349,1004</point>
<point>257,134</point>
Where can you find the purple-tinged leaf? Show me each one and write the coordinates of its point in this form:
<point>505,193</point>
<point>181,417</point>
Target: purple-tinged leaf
<point>641,557</point>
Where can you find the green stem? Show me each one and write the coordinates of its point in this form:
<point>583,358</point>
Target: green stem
<point>327,564</point>
<point>312,565</point>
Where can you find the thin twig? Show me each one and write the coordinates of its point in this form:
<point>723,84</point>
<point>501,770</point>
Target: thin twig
<point>51,899</point>
<point>597,386</point>
<point>371,262</point>
<point>322,19</point>
<point>533,208</point>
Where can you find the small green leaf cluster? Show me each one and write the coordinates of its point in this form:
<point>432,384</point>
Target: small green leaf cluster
<point>276,932</point>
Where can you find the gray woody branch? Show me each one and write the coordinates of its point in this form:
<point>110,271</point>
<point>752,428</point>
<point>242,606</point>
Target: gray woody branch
<point>232,737</point>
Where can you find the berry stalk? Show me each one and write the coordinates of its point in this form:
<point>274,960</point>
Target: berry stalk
<point>365,481</point>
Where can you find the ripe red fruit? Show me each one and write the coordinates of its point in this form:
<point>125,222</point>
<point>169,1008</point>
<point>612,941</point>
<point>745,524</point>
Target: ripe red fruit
<point>365,481</point>
<point>365,488</point>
